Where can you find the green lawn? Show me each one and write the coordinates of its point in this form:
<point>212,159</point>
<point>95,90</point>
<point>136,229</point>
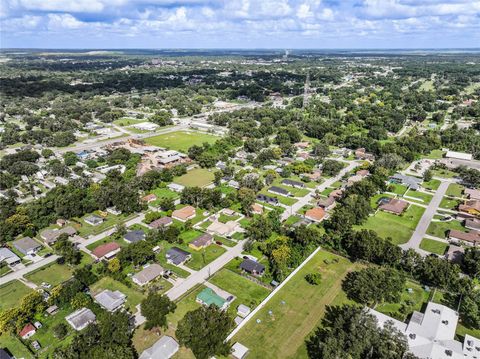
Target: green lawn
<point>398,228</point>
<point>53,274</point>
<point>288,201</point>
<point>455,190</point>
<point>433,246</point>
<point>128,121</point>
<point>423,198</point>
<point>203,257</point>
<point>435,155</point>
<point>180,140</point>
<point>14,345</point>
<point>296,310</point>
<point>198,177</point>
<point>449,203</point>
<point>162,193</point>
<point>246,292</point>
<point>433,184</point>
<point>134,297</point>
<point>185,304</point>
<point>11,293</point>
<point>397,189</point>
<point>439,229</point>
<point>109,221</point>
<point>414,299</point>
<point>444,173</point>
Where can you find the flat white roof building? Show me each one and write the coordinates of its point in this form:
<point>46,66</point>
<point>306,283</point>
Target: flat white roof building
<point>430,335</point>
<point>81,318</point>
<point>164,348</point>
<point>459,155</point>
<point>239,351</point>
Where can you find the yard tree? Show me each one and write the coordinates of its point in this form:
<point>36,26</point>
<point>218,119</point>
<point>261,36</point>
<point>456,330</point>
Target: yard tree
<point>136,253</point>
<point>155,309</point>
<point>80,300</point>
<point>471,262</point>
<point>67,249</point>
<point>439,272</point>
<point>246,197</point>
<point>114,265</point>
<point>427,175</point>
<point>85,275</point>
<point>321,150</point>
<point>60,330</point>
<point>373,285</point>
<point>313,278</point>
<point>167,204</point>
<point>204,331</point>
<point>120,232</point>
<point>350,332</point>
<point>259,229</point>
<point>470,308</point>
<point>217,177</point>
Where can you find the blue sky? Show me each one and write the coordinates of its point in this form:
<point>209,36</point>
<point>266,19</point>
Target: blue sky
<point>240,24</point>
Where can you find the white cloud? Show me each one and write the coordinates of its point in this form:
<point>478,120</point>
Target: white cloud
<point>58,22</point>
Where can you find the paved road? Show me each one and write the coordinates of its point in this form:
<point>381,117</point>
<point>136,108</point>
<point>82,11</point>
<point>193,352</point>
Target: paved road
<point>204,273</point>
<point>427,217</point>
<point>306,199</point>
<point>21,272</point>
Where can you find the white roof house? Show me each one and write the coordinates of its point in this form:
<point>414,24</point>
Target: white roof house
<point>111,300</point>
<point>164,348</point>
<point>81,318</point>
<point>146,126</point>
<point>7,256</point>
<point>431,334</point>
<point>459,155</point>
<point>243,310</point>
<point>239,351</point>
<point>148,274</point>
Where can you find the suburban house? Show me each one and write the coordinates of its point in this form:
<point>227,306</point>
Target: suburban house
<point>412,183</point>
<point>267,199</point>
<point>80,318</point>
<point>326,203</point>
<point>149,198</point>
<point>472,223</point>
<point>201,242</point>
<point>164,348</point>
<point>147,274</point>
<point>279,190</point>
<point>394,206</point>
<point>50,236</point>
<point>27,245</point>
<point>239,351</point>
<point>472,193</point>
<point>252,267</point>
<point>224,229</point>
<point>354,179</point>
<point>362,154</point>
<point>161,223</point>
<point>455,254</point>
<point>177,256</point>
<point>106,251</point>
<point>363,173</point>
<point>314,176</point>
<point>7,256</point>
<point>52,310</point>
<point>432,334</point>
<point>337,193</point>
<point>93,220</point>
<point>296,184</point>
<point>176,187</point>
<point>472,237</point>
<point>111,300</point>
<point>114,211</point>
<point>27,331</point>
<point>208,297</point>
<point>184,214</point>
<point>257,209</point>
<point>134,236</point>
<point>243,310</point>
<point>316,214</point>
<point>471,207</point>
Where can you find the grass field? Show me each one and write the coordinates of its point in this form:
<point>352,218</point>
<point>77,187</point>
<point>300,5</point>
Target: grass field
<point>245,291</point>
<point>439,229</point>
<point>449,203</point>
<point>296,310</point>
<point>444,173</point>
<point>14,345</point>
<point>423,198</point>
<point>180,140</point>
<point>11,293</point>
<point>198,177</point>
<point>433,184</point>
<point>127,121</point>
<point>399,228</point>
<point>433,246</point>
<point>134,297</point>
<point>109,221</point>
<point>455,190</point>
<point>288,201</point>
<point>435,155</point>
<point>53,274</point>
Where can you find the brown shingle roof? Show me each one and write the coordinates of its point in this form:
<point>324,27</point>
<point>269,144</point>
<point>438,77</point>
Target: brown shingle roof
<point>104,249</point>
<point>396,206</point>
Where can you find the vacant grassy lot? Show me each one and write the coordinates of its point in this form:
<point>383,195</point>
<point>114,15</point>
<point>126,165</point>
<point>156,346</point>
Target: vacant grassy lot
<point>444,173</point>
<point>245,291</point>
<point>455,190</point>
<point>449,203</point>
<point>423,198</point>
<point>198,177</point>
<point>439,229</point>
<point>433,246</point>
<point>11,293</point>
<point>110,221</point>
<point>398,228</point>
<point>126,121</point>
<point>53,274</point>
<point>180,140</point>
<point>432,184</point>
<point>296,310</point>
<point>435,155</point>
<point>14,345</point>
<point>134,297</point>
